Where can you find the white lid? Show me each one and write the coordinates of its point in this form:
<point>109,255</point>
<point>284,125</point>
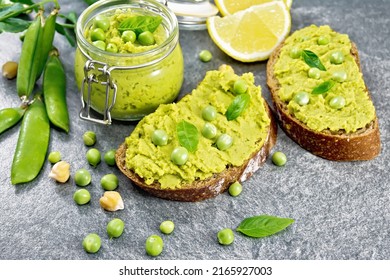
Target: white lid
<point>192,14</point>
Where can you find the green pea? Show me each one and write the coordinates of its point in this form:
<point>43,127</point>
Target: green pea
<point>240,86</point>
<point>279,158</point>
<point>336,57</point>
<point>154,245</point>
<point>225,236</point>
<point>146,38</point>
<point>205,56</point>
<point>92,243</point>
<point>93,157</point>
<point>109,157</point>
<point>235,189</point>
<point>337,102</point>
<point>109,182</point>
<point>112,48</point>
<point>339,76</point>
<point>209,113</point>
<point>323,40</point>
<point>89,138</point>
<point>115,228</point>
<point>129,36</point>
<point>100,45</point>
<point>82,177</point>
<point>102,22</point>
<point>82,196</point>
<point>97,34</point>
<point>179,156</point>
<point>54,157</point>
<point>295,52</point>
<point>209,130</point>
<point>302,98</point>
<point>314,73</point>
<point>159,137</point>
<point>224,142</point>
<point>167,227</point>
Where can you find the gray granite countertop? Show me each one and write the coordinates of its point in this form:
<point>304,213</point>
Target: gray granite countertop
<point>341,209</point>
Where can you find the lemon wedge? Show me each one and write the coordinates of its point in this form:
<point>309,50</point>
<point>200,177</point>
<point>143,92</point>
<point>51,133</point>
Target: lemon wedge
<point>229,7</point>
<point>251,34</point>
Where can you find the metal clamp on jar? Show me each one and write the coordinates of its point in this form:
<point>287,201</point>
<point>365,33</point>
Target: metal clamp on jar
<point>133,82</point>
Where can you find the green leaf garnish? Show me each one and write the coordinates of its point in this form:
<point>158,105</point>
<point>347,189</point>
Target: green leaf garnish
<point>238,106</point>
<point>312,60</point>
<point>323,88</point>
<point>264,225</point>
<point>139,24</point>
<point>14,25</point>
<point>188,135</point>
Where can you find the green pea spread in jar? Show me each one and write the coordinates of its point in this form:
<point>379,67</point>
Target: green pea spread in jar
<point>333,98</point>
<point>128,38</point>
<point>248,130</point>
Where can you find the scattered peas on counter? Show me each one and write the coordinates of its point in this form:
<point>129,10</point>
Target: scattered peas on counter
<point>93,157</point>
<point>82,196</point>
<point>54,157</point>
<point>235,189</point>
<point>115,228</point>
<point>109,182</point>
<point>92,243</point>
<point>89,138</point>
<point>109,157</point>
<point>82,177</point>
<point>167,227</point>
<point>205,56</point>
<point>154,245</point>
<point>225,236</point>
<point>279,158</point>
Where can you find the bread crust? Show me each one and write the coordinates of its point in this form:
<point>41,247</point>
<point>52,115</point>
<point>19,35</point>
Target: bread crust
<point>204,189</point>
<point>363,144</point>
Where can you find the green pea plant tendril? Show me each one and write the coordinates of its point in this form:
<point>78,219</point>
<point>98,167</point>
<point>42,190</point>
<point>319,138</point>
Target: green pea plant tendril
<point>42,105</point>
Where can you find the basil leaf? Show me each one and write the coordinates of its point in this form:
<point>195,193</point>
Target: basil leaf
<point>238,106</point>
<point>139,24</point>
<point>312,60</point>
<point>188,135</point>
<point>323,88</point>
<point>264,225</point>
<point>14,25</point>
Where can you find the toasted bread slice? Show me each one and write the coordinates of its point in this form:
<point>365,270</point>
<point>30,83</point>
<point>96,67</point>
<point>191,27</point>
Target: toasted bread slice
<point>362,144</point>
<point>209,187</point>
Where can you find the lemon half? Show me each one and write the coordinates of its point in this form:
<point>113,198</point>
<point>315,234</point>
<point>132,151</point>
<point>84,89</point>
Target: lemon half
<point>251,34</point>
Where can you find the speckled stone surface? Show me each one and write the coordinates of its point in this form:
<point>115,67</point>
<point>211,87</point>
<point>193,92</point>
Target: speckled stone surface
<point>341,210</point>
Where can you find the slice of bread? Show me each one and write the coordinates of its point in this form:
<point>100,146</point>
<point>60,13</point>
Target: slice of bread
<point>212,186</point>
<point>362,144</point>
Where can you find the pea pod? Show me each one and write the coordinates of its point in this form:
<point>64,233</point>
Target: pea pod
<point>9,117</point>
<point>32,144</point>
<point>30,57</point>
<point>54,92</point>
<point>49,30</point>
